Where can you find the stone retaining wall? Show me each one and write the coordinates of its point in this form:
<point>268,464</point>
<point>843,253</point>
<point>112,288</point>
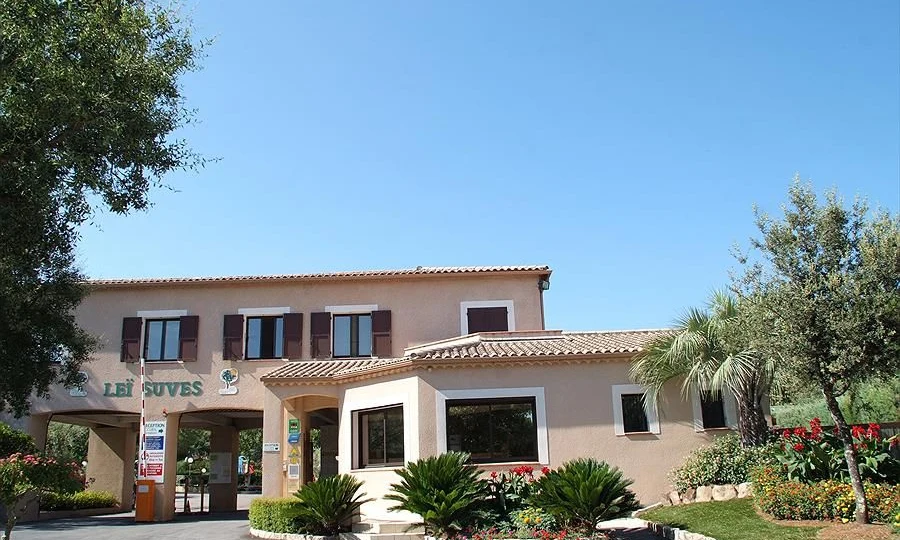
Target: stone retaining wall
<point>724,492</point>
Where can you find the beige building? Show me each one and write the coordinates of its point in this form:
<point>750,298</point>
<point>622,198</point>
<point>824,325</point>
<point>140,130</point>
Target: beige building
<point>389,366</point>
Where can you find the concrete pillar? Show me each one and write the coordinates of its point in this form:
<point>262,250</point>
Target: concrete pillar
<point>164,498</point>
<point>110,458</point>
<point>306,468</point>
<point>36,425</point>
<point>224,446</point>
<point>273,420</point>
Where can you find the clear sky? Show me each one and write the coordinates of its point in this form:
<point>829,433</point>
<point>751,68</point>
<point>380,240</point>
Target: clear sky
<point>622,143</point>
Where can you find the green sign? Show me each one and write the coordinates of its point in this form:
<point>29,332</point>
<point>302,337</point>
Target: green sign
<point>158,389</point>
<point>293,426</point>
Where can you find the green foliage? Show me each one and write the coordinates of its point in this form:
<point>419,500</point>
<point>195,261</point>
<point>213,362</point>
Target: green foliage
<point>193,443</point>
<point>724,461</point>
<point>782,498</point>
<point>67,442</point>
<point>823,295</point>
<point>81,500</point>
<point>815,454</point>
<point>445,490</point>
<point>90,98</point>
<point>584,492</point>
<point>874,401</point>
<point>728,520</point>
<point>13,441</point>
<point>251,442</point>
<point>275,514</point>
<point>328,505</point>
<point>709,353</point>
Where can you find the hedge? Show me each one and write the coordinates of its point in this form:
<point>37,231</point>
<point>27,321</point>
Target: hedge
<point>825,500</point>
<point>78,501</point>
<point>274,514</point>
<point>725,461</point>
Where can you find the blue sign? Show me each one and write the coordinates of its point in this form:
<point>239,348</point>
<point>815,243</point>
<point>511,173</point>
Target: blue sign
<point>240,465</point>
<point>294,438</point>
<point>153,443</point>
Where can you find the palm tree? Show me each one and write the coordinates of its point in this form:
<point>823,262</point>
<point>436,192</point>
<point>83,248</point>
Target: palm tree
<point>707,351</point>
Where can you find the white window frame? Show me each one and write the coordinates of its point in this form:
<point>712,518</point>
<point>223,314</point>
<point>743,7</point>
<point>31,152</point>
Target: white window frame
<point>259,312</point>
<point>410,427</point>
<point>353,309</point>
<point>540,411</point>
<point>464,313</point>
<point>619,417</point>
<point>729,405</point>
<point>151,314</point>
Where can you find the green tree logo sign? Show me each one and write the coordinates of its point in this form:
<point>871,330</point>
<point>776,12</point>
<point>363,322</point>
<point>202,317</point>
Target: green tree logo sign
<point>228,376</point>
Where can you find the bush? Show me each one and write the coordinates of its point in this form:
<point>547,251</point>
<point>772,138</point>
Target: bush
<point>782,498</point>
<point>13,441</point>
<point>78,501</point>
<point>275,514</point>
<point>725,461</point>
<point>328,505</point>
<point>508,494</point>
<point>445,490</point>
<point>815,454</point>
<point>584,492</point>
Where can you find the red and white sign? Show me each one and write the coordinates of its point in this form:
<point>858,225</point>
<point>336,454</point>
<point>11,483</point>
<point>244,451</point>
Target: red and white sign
<point>154,452</point>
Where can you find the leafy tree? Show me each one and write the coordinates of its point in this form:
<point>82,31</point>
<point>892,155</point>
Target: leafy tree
<point>13,441</point>
<point>193,442</point>
<point>67,442</point>
<point>707,351</point>
<point>824,297</point>
<point>89,100</point>
<point>251,444</point>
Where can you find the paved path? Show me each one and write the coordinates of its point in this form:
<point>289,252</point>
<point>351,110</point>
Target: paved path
<point>230,526</point>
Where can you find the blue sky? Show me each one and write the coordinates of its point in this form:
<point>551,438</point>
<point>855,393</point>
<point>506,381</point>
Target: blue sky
<point>622,143</point>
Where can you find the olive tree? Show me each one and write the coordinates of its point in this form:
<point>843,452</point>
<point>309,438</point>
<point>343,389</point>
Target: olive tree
<point>821,291</point>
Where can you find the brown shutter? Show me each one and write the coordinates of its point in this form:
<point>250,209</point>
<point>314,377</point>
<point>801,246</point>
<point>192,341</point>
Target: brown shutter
<point>320,334</point>
<point>233,337</point>
<point>188,329</point>
<point>492,319</point>
<point>293,336</point>
<point>381,334</point>
<point>131,339</point>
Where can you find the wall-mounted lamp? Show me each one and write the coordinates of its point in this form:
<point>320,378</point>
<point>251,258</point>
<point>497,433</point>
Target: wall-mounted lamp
<point>544,284</point>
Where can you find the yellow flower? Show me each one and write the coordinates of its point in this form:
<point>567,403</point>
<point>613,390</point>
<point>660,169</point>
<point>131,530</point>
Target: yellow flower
<point>844,520</point>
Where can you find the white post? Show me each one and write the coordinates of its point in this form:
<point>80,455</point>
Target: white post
<point>142,454</point>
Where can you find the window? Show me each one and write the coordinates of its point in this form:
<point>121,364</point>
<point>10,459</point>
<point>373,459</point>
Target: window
<point>265,337</point>
<point>487,316</point>
<point>713,411</point>
<point>352,335</point>
<point>381,437</point>
<point>161,339</point>
<point>634,418</point>
<point>630,413</point>
<point>493,430</point>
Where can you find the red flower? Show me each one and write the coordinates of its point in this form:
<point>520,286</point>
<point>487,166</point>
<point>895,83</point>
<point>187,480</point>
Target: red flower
<point>493,474</point>
<point>786,434</point>
<point>816,426</point>
<point>858,432</point>
<point>545,470</point>
<point>799,447</point>
<point>800,432</point>
<point>874,431</point>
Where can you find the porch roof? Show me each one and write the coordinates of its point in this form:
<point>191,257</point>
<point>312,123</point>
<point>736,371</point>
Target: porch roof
<point>485,348</point>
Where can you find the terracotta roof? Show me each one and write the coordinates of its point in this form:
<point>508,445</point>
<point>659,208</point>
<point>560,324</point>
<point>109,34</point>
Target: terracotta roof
<point>327,369</point>
<point>328,276</point>
<point>475,348</point>
<point>535,344</point>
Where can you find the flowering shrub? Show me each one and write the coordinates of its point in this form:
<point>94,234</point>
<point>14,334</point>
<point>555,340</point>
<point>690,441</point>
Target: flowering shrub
<point>508,492</point>
<point>532,519</point>
<point>811,455</point>
<point>783,498</point>
<point>725,461</point>
<point>24,476</point>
